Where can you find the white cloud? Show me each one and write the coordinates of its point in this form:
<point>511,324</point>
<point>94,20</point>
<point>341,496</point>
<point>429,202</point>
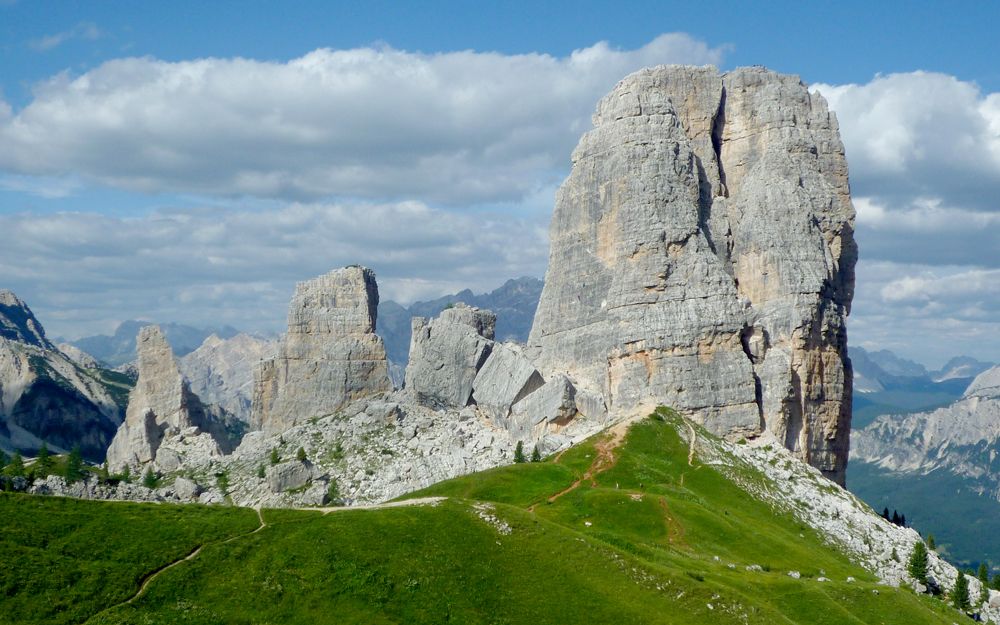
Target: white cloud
<point>84,30</point>
<point>918,135</point>
<point>378,123</point>
<point>83,272</point>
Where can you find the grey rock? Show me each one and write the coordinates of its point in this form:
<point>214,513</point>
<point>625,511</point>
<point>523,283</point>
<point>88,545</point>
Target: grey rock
<point>554,402</point>
<point>702,256</point>
<point>186,489</point>
<point>986,384</point>
<point>447,353</point>
<point>48,395</point>
<point>505,378</point>
<point>330,356</point>
<point>288,476</point>
<point>221,371</point>
<point>160,406</point>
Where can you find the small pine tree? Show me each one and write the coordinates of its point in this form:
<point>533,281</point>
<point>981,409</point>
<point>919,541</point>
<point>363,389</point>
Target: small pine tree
<point>74,466</point>
<point>519,452</point>
<point>536,456</point>
<point>895,556</point>
<point>885,513</point>
<point>127,474</point>
<point>102,473</point>
<point>150,480</point>
<point>895,518</point>
<point>222,481</point>
<point>44,459</point>
<point>902,520</point>
<point>931,544</point>
<point>333,493</point>
<point>300,455</point>
<point>960,593</point>
<point>15,468</point>
<point>984,582</point>
<point>917,566</point>
<point>275,458</point>
<point>260,471</point>
<point>995,582</point>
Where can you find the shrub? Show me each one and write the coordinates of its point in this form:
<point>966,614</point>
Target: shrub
<point>931,543</point>
<point>917,565</point>
<point>519,452</point>
<point>222,481</point>
<point>275,458</point>
<point>260,471</point>
<point>300,455</point>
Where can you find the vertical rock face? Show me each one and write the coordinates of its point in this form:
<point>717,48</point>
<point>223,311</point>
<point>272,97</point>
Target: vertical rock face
<point>330,356</point>
<point>702,256</point>
<point>160,405</point>
<point>17,323</point>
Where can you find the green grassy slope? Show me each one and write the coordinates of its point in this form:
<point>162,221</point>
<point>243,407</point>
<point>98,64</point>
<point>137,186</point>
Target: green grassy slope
<point>649,539</point>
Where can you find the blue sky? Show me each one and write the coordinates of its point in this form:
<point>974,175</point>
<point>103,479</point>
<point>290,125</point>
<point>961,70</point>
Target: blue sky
<point>189,161</point>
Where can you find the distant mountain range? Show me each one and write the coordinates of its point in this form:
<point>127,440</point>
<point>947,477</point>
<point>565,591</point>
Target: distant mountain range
<point>514,304</point>
<point>885,383</point>
<point>119,348</point>
<point>940,467</point>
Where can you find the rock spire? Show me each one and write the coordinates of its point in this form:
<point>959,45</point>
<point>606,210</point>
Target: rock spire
<point>702,256</point>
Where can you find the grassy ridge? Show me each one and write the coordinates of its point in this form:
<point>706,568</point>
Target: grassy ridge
<point>652,539</point>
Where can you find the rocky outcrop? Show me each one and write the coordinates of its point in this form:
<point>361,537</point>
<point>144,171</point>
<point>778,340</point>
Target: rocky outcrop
<point>48,397</point>
<point>164,420</point>
<point>330,355</point>
<point>447,353</point>
<point>221,371</point>
<point>505,378</point>
<point>702,256</point>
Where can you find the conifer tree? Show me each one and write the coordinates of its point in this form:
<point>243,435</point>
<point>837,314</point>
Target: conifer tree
<point>3,459</point>
<point>917,566</point>
<point>885,513</point>
<point>260,471</point>
<point>519,452</point>
<point>74,466</point>
<point>44,460</point>
<point>536,456</point>
<point>902,520</point>
<point>16,466</point>
<point>150,479</point>
<point>960,593</point>
<point>275,458</point>
<point>984,580</point>
<point>931,544</point>
<point>300,455</point>
<point>895,518</point>
<point>995,582</point>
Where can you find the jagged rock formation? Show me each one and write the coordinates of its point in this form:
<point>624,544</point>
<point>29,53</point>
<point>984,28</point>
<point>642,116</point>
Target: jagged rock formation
<point>164,422</point>
<point>702,256</point>
<point>221,371</point>
<point>330,356</point>
<point>45,396</point>
<point>447,353</point>
<point>514,304</point>
<point>963,438</point>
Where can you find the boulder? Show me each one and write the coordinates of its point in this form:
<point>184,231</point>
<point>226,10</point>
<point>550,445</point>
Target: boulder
<point>186,490</point>
<point>553,402</point>
<point>447,353</point>
<point>505,378</point>
<point>330,356</point>
<point>702,256</point>
<point>288,476</point>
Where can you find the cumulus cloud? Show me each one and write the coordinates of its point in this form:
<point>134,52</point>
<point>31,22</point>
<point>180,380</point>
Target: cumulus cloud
<point>84,30</point>
<point>450,128</point>
<point>83,272</point>
<point>920,135</point>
